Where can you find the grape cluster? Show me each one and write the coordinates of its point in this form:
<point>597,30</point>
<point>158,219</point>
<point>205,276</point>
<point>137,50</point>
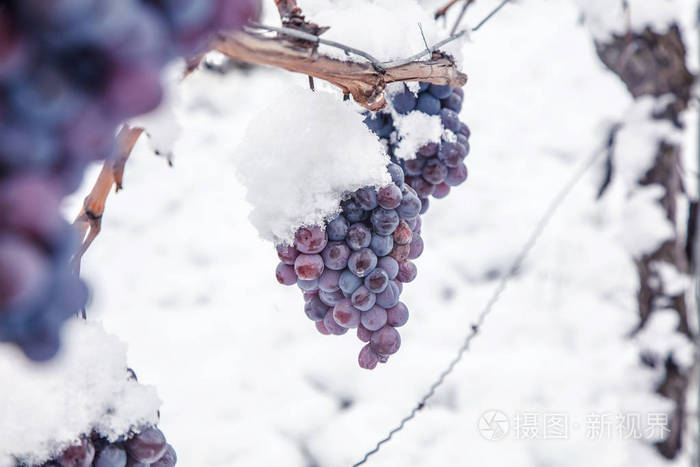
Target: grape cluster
<point>438,165</point>
<point>71,71</point>
<point>352,272</point>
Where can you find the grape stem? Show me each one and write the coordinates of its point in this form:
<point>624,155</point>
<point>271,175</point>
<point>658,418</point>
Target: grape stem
<point>89,220</point>
<point>364,81</point>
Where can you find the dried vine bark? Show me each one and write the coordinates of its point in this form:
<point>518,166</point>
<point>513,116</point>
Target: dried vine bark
<point>363,81</point>
<point>654,64</point>
<point>89,220</point>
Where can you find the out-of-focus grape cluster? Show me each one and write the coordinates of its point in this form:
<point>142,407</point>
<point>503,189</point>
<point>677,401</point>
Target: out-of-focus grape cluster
<point>70,72</point>
<point>352,270</point>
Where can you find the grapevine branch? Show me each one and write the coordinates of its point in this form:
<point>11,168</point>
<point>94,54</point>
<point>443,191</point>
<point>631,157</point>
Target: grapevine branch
<point>364,81</point>
<point>89,220</point>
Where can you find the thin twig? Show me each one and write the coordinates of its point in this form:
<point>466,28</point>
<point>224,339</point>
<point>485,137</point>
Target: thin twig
<point>505,279</point>
<point>443,11</point>
<point>461,15</point>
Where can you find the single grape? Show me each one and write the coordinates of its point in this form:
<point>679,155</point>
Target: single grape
<point>429,149</point>
<point>335,255</point>
<point>332,326</point>
<point>322,328</point>
<point>451,154</point>
<point>459,92</point>
<point>402,234</point>
<point>422,187</point>
<point>424,205</point>
<point>389,197</point>
<point>366,198</point>
<point>308,267</point>
<point>400,252</point>
<point>346,315</point>
<point>80,455</point>
<point>428,104</point>
<point>328,282</point>
<point>337,228</point>
<point>359,236</point>
<point>381,245</point>
<point>440,91</point>
<point>434,172</point>
<point>389,297</point>
<point>147,446</point>
<point>367,358</point>
<point>363,333</point>
<point>396,173</point>
<point>385,221</point>
<point>441,190</point>
<point>377,280</point>
<point>407,271</point>
<point>285,274</point>
<point>385,341</point>
<point>168,459</point>
<point>111,456</point>
<point>310,240</point>
<point>308,286</point>
<point>331,298</point>
<point>416,248</point>
<point>397,316</point>
<point>362,262</point>
<point>410,206</point>
<point>309,294</point>
<point>414,167</point>
<point>349,282</point>
<point>404,101</point>
<point>374,318</point>
<point>315,309</point>
<point>389,265</point>
<point>464,130</point>
<point>287,253</point>
<point>453,102</point>
<point>456,175</point>
<point>363,299</point>
<point>450,120</point>
<point>353,212</point>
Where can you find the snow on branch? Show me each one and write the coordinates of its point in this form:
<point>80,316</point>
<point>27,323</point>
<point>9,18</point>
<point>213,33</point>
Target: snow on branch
<point>364,81</point>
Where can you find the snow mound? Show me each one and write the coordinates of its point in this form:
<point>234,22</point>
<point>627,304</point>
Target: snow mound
<point>386,29</point>
<point>46,408</point>
<point>301,156</point>
<point>604,17</point>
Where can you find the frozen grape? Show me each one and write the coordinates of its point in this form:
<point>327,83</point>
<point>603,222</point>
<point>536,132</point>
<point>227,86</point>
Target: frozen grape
<point>168,459</point>
<point>381,245</point>
<point>428,104</point>
<point>346,315</point>
<point>353,212</point>
<point>366,198</point>
<point>456,175</point>
<point>410,206</point>
<point>441,190</point>
<point>389,197</point>
<point>310,240</point>
<point>332,326</point>
<point>80,455</point>
<point>374,318</point>
<point>287,253</point>
<point>429,149</point>
<point>331,298</point>
<point>389,296</point>
<point>389,265</point>
<point>322,328</point>
<point>147,446</point>
<point>377,280</point>
<point>111,456</point>
<point>414,167</point>
<point>335,255</point>
<point>328,282</point>
<point>407,271</point>
<point>367,358</point>
<point>385,341</point>
<point>362,262</point>
<point>402,234</point>
<point>397,316</point>
<point>349,282</point>
<point>434,172</point>
<point>359,236</point>
<point>315,309</point>
<point>363,333</point>
<point>450,119</point>
<point>416,248</point>
<point>308,267</point>
<point>337,229</point>
<point>423,188</point>
<point>440,91</point>
<point>400,252</point>
<point>285,274</point>
<point>404,101</point>
<point>385,221</point>
<point>396,173</point>
<point>308,286</point>
<point>363,299</point>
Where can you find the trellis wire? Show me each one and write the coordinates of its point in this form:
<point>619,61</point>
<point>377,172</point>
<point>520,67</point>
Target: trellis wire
<point>505,279</point>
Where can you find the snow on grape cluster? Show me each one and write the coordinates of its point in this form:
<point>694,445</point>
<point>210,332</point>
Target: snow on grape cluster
<point>70,72</point>
<point>352,270</point>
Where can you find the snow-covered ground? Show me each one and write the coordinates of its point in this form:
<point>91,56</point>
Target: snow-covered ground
<point>180,274</point>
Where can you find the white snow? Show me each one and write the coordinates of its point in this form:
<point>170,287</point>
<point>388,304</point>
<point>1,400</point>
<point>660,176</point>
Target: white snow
<point>660,338</point>
<point>45,408</point>
<point>644,225</point>
<point>415,130</point>
<point>301,156</point>
<point>605,17</point>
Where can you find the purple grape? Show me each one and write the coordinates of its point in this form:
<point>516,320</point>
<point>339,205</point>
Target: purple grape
<point>397,316</point>
<point>346,315</point>
<point>353,212</point>
<point>385,221</point>
<point>310,240</point>
<point>414,167</point>
<point>308,286</point>
<point>111,456</point>
<point>404,101</point>
<point>424,205</point>
<point>328,282</point>
<point>147,446</point>
<point>429,149</point>
<point>315,309</point>
<point>385,341</point>
<point>366,198</point>
<point>331,298</point>
<point>389,265</point>
<point>335,255</point>
<point>451,154</point>
<point>410,206</point>
<point>450,120</point>
<point>434,172</point>
<point>416,248</point>
<point>308,267</point>
<point>441,190</point>
<point>322,328</point>
<point>428,104</point>
<point>169,458</point>
<point>440,91</point>
<point>374,318</point>
<point>453,102</point>
<point>381,245</point>
<point>362,262</point>
<point>400,252</point>
<point>389,297</point>
<point>287,253</point>
<point>363,299</point>
<point>363,333</point>
<point>80,455</point>
<point>285,274</point>
<point>464,130</point>
<point>396,173</point>
<point>337,229</point>
<point>332,326</point>
<point>389,197</point>
<point>423,188</point>
<point>377,280</point>
<point>459,92</point>
<point>403,234</point>
<point>367,358</point>
<point>359,236</point>
<point>407,271</point>
<point>349,282</point>
<point>457,175</point>
<point>309,294</point>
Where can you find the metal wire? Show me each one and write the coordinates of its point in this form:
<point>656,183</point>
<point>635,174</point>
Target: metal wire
<point>505,279</point>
